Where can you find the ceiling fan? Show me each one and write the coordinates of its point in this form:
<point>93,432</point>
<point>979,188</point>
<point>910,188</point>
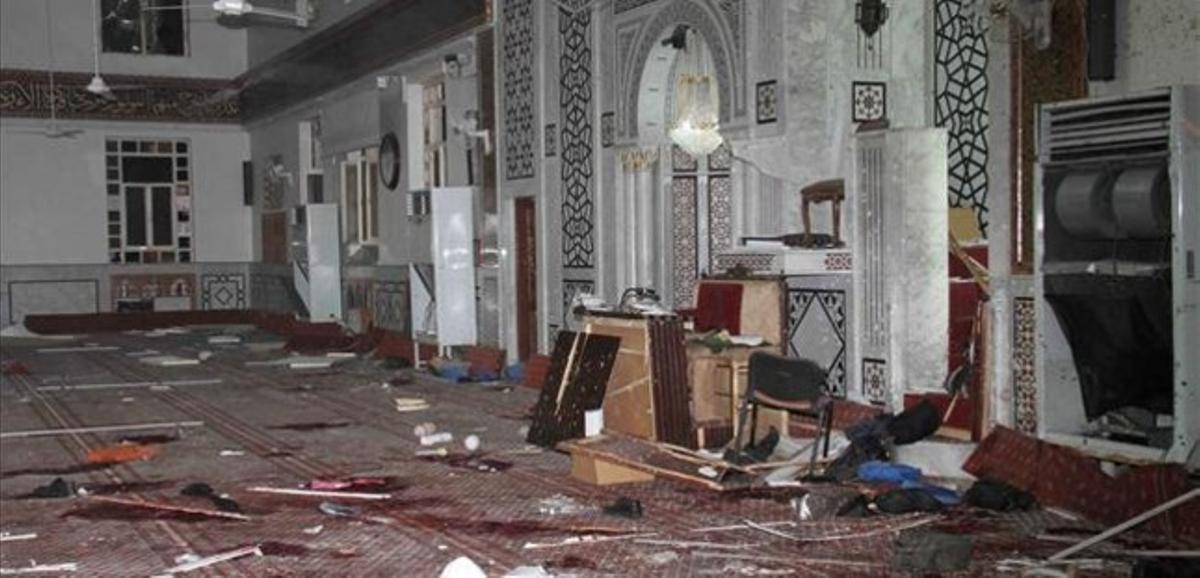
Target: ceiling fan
<point>52,129</point>
<point>101,88</point>
<point>98,86</point>
<point>303,12</point>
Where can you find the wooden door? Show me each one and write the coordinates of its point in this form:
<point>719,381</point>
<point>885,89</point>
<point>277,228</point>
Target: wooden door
<point>527,306</point>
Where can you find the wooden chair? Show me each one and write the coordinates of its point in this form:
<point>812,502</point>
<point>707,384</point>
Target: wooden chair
<point>831,191</point>
<point>788,384</point>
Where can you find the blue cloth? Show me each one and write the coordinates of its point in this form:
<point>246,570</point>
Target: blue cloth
<point>453,371</point>
<point>877,471</point>
<point>515,372</point>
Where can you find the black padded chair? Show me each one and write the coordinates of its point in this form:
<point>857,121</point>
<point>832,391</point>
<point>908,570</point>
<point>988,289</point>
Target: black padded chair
<point>789,384</point>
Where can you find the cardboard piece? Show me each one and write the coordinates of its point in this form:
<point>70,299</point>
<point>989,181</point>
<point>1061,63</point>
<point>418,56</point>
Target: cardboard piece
<point>601,472</point>
<point>649,458</point>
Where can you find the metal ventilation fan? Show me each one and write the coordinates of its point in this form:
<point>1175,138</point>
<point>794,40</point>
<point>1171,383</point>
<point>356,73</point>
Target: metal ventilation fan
<point>303,12</point>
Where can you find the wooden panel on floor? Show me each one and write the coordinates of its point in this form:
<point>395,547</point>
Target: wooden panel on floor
<point>672,403</point>
<point>657,459</point>
<point>600,472</point>
<point>628,403</point>
<point>578,375</point>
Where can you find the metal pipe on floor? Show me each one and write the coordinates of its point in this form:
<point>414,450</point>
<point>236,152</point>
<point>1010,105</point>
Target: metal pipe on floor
<point>119,385</point>
<point>98,429</point>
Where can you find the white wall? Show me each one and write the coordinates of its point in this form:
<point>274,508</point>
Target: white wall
<point>214,50</point>
<point>52,193</point>
<point>818,55</point>
<point>1158,44</point>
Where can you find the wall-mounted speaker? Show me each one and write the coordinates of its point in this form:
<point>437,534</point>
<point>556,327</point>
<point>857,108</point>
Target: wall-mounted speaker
<point>1101,39</point>
<point>248,183</point>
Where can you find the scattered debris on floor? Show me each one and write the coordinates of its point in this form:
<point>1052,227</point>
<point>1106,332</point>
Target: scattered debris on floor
<point>921,552</point>
<point>189,562</point>
<point>162,383</point>
<point>169,360</point>
<point>462,567</point>
<point>338,510</point>
<point>559,504</point>
<point>163,507</point>
<point>341,494</point>
<point>178,425</point>
<point>222,502</point>
<point>7,537</point>
<point>57,488</point>
<point>474,462</point>
<point>466,482</point>
<point>35,568</point>
<point>409,404</point>
<point>123,453</point>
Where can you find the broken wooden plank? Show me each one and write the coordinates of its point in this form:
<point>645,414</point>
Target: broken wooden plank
<point>645,456</point>
<point>800,560</point>
<point>319,493</point>
<point>690,545</point>
<point>852,536</point>
<point>742,526</point>
<point>1127,524</point>
<point>41,568</point>
<point>171,508</point>
<point>7,537</point>
<point>586,539</point>
<point>99,429</point>
<point>1125,552</point>
<point>215,559</point>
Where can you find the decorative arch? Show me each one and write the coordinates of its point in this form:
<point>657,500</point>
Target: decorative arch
<point>721,44</point>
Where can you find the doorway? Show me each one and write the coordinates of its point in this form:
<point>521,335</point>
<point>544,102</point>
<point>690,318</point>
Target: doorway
<point>527,306</point>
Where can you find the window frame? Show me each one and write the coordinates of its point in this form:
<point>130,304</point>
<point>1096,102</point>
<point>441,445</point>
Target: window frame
<point>182,248</point>
<point>185,31</point>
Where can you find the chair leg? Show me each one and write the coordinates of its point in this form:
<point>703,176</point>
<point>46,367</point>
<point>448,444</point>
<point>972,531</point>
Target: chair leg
<point>741,426</point>
<point>753,423</point>
<point>824,421</point>
<point>816,443</point>
<point>827,426</point>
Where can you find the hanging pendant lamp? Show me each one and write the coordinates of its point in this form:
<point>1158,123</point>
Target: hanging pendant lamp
<point>696,126</point>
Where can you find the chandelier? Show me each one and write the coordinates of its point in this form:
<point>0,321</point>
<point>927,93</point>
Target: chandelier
<point>696,124</point>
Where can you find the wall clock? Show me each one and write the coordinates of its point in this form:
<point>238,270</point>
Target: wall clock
<point>389,161</point>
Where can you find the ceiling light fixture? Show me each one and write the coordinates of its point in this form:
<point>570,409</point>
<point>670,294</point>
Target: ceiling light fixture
<point>98,87</point>
<point>696,127</point>
<point>870,15</point>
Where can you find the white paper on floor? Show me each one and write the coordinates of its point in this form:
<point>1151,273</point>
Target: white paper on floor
<point>168,360</point>
<point>462,567</point>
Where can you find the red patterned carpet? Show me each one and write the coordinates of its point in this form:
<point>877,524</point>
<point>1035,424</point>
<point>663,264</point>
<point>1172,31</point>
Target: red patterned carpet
<point>287,427</point>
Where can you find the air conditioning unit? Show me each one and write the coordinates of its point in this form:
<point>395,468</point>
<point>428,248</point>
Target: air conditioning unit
<point>1117,293</point>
